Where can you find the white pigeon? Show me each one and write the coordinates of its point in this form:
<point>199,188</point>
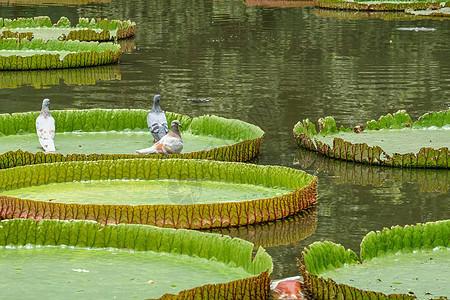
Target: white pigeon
<point>45,128</point>
<point>171,143</point>
<point>156,120</point>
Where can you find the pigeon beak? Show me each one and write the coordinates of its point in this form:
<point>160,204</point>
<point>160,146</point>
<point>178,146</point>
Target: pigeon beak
<point>179,125</point>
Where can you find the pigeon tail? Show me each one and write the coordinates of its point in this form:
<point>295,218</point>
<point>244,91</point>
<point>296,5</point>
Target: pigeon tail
<point>171,143</point>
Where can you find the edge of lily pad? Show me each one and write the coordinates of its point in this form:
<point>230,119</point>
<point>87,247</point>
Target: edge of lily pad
<point>248,136</point>
<point>192,216</point>
<point>379,5</point>
<point>82,54</point>
<point>84,31</point>
<point>235,252</point>
<point>323,256</point>
<point>305,131</point>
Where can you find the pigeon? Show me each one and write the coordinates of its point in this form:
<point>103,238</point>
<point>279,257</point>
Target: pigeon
<point>156,120</point>
<point>171,143</point>
<point>45,128</point>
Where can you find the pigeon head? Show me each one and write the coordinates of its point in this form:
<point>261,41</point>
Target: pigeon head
<point>45,103</point>
<point>157,98</point>
<point>175,124</point>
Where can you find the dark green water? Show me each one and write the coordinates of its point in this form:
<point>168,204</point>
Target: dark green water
<point>273,67</point>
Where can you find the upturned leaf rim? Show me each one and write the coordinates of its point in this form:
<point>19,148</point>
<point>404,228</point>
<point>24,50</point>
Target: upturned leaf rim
<point>88,234</point>
<point>191,216</point>
<point>325,256</point>
<point>61,54</point>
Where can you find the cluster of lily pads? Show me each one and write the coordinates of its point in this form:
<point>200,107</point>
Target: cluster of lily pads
<point>37,43</point>
<point>208,186</point>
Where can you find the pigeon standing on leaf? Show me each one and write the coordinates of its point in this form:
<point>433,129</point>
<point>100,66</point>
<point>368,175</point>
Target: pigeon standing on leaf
<point>156,120</point>
<point>45,128</point>
<point>171,143</point>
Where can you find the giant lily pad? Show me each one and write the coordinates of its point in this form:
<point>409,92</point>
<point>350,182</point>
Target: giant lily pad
<point>428,180</point>
<point>398,263</point>
<point>390,5</point>
<point>99,134</point>
<point>38,54</point>
<point>161,192</point>
<point>126,261</point>
<point>393,140</point>
<point>86,30</point>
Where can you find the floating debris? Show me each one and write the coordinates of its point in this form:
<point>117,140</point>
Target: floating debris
<point>197,100</point>
<point>81,270</point>
<point>416,29</point>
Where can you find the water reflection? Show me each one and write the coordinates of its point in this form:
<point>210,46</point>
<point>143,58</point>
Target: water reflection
<point>43,79</point>
<point>49,2</point>
<point>286,231</point>
<point>428,180</point>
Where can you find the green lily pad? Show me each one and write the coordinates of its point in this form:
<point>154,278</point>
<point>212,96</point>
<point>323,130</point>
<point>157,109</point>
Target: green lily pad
<point>390,5</point>
<point>442,12</point>
<point>393,140</point>
<point>99,134</point>
<point>398,263</point>
<point>178,193</point>
<point>125,261</point>
<point>86,30</point>
<point>38,54</point>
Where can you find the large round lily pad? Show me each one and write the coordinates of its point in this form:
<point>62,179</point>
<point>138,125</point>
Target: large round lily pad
<point>38,54</point>
<point>92,261</point>
<point>390,5</point>
<point>393,140</point>
<point>398,263</point>
<point>100,134</point>
<point>86,30</point>
<point>163,192</point>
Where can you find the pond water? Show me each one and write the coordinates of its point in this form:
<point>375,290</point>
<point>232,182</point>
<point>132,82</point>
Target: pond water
<point>274,67</point>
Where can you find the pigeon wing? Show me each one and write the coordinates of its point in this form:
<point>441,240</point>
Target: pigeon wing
<point>157,124</point>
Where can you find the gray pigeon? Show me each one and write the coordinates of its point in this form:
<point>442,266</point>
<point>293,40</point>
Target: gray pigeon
<point>171,143</point>
<point>156,120</point>
<point>45,128</point>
